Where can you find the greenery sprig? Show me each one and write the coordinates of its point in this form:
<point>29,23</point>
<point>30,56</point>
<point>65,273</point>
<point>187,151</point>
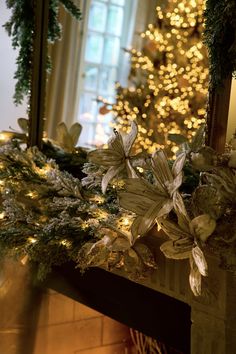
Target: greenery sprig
<point>20,28</point>
<point>220,38</point>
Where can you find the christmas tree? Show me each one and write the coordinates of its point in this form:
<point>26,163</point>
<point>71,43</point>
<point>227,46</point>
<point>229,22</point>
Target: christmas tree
<point>168,81</point>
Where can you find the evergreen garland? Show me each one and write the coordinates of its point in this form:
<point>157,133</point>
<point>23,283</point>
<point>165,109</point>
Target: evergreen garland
<point>21,27</point>
<point>220,38</point>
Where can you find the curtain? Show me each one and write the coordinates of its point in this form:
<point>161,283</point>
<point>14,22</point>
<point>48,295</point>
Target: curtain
<point>61,94</point>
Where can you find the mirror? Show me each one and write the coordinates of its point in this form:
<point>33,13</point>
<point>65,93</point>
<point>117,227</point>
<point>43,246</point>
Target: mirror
<point>90,58</point>
<point>75,84</point>
<point>67,100</point>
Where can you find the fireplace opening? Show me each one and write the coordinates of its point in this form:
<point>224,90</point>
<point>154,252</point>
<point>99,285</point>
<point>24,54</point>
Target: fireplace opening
<point>124,304</point>
<point>66,326</point>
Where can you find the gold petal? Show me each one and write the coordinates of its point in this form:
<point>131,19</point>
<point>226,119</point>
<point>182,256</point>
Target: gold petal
<point>63,137</point>
<point>161,168</point>
<point>178,164</point>
<point>134,202</point>
<point>111,173</point>
<point>75,131</point>
<point>175,184</point>
<point>130,170</point>
<point>23,124</point>
<point>105,157</point>
<point>157,210</point>
<point>203,226</point>
<point>135,228</point>
<point>172,230</point>
<point>200,260</point>
<point>170,251</point>
<point>128,139</point>
<point>143,188</point>
<point>195,281</point>
<point>116,144</point>
<point>181,212</point>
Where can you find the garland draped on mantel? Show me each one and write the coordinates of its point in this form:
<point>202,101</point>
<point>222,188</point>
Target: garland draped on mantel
<point>50,217</point>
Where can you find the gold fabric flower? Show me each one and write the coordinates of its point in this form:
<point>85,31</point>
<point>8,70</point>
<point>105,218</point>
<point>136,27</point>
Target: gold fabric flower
<point>117,156</point>
<point>68,138</point>
<point>151,202</point>
<point>183,244</point>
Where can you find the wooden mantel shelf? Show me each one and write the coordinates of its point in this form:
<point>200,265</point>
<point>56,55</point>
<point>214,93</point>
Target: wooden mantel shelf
<point>162,306</point>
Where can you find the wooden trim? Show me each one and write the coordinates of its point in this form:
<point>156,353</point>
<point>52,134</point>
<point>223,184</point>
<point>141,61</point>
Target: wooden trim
<point>39,61</point>
<point>217,116</point>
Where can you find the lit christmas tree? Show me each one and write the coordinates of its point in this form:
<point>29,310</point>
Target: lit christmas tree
<point>168,82</point>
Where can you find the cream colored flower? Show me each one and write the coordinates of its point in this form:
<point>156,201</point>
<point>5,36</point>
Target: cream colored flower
<point>184,245</point>
<point>67,139</point>
<point>117,156</point>
<point>151,202</point>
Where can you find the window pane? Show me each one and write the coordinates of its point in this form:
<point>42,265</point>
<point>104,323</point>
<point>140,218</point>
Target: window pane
<point>100,135</point>
<point>91,77</point>
<point>88,107</point>
<point>87,135</point>
<point>111,51</point>
<point>118,2</point>
<point>115,20</point>
<point>94,48</point>
<point>107,81</point>
<point>97,16</point>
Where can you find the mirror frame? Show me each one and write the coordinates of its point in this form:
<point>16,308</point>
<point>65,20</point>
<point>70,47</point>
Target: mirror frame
<point>217,116</point>
<point>39,73</point>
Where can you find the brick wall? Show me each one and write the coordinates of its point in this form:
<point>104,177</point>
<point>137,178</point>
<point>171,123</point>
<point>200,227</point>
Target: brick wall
<point>68,327</point>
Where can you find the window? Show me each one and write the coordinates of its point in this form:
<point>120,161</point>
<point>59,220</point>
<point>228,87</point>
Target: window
<point>108,27</point>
